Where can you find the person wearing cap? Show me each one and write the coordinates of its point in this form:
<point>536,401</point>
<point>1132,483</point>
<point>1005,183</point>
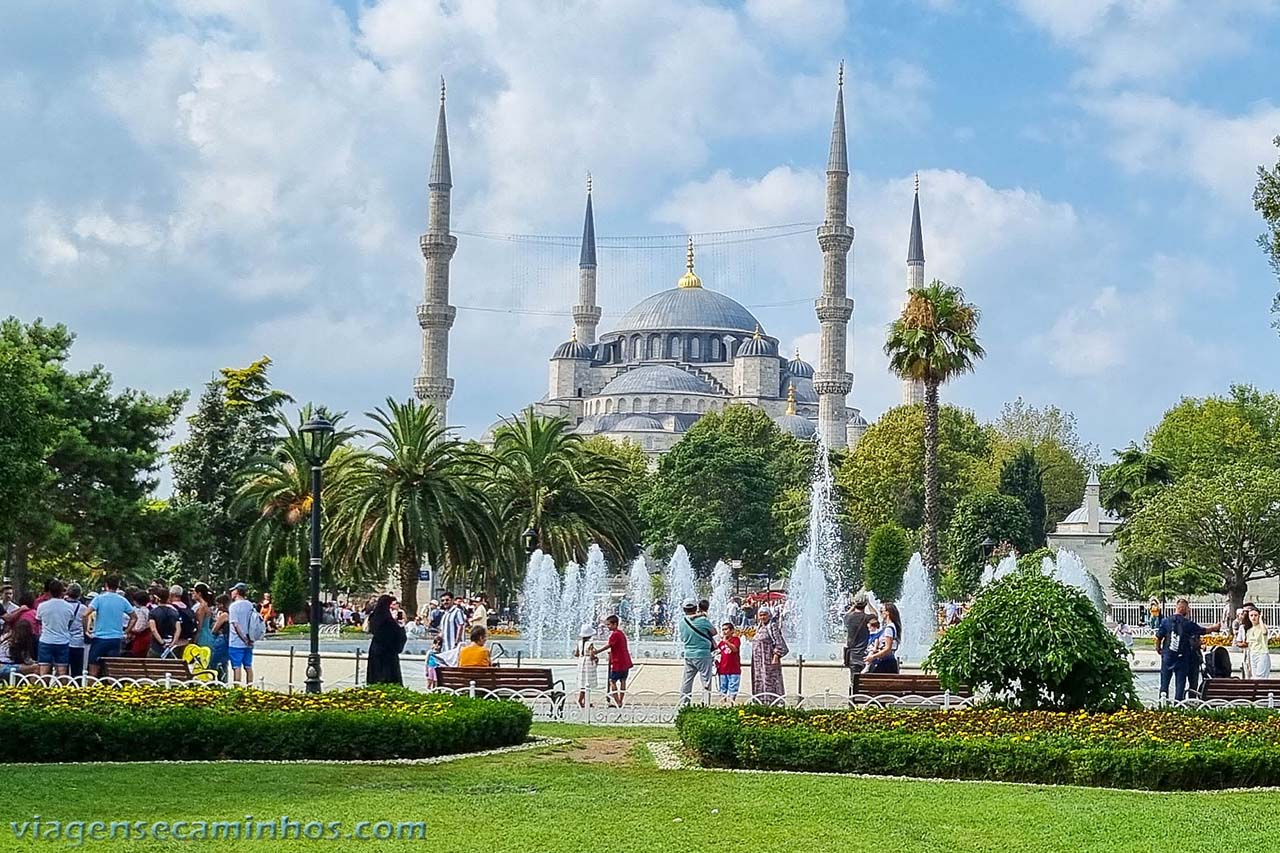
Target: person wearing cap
<point>585,652</point>
<point>698,637</point>
<point>239,642</point>
<point>856,637</point>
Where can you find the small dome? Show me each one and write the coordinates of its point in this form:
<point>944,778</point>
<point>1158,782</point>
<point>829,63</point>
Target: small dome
<point>803,389</point>
<point>797,425</point>
<point>637,423</point>
<point>799,368</point>
<point>757,346</point>
<point>572,349</point>
<point>657,379</point>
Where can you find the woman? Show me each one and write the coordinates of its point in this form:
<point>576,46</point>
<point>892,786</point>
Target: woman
<point>1154,614</point>
<point>1241,628</point>
<point>884,658</point>
<point>1259,654</point>
<point>220,634</point>
<point>475,654</point>
<point>386,644</point>
<point>138,634</point>
<point>767,651</point>
<point>18,651</point>
<point>203,608</point>
<point>268,613</point>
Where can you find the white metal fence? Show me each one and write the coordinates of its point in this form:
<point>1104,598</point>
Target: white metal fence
<point>1136,614</point>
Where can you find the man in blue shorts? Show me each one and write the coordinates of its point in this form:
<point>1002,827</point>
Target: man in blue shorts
<point>239,642</point>
<point>110,612</point>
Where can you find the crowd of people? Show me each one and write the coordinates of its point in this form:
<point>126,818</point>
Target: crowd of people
<point>1179,642</point>
<point>63,632</point>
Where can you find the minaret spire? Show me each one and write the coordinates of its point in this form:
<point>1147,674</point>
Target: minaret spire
<point>435,315</point>
<point>913,389</point>
<point>832,380</point>
<point>586,314</point>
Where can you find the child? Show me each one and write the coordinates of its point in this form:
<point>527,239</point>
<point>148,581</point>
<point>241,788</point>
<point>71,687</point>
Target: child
<point>729,662</point>
<point>433,661</point>
<point>619,662</point>
<point>586,656</point>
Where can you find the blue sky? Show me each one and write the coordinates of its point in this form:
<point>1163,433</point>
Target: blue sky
<point>195,184</point>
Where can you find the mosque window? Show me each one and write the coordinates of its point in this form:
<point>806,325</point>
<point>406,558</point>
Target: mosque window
<point>655,347</point>
<point>636,352</point>
<point>686,404</point>
<point>677,352</point>
<point>695,349</point>
<point>608,406</point>
<point>653,405</point>
<point>715,349</point>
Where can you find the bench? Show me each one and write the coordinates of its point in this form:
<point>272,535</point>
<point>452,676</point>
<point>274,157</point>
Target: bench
<point>152,669</point>
<point>871,685</point>
<point>1252,689</point>
<point>503,681</point>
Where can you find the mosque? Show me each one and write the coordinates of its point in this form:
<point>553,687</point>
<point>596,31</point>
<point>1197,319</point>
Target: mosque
<point>682,352</point>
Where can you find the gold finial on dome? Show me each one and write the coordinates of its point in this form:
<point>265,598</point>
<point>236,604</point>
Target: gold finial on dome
<point>690,278</point>
<point>791,399</point>
<point>588,183</point>
<point>797,353</point>
<point>756,336</point>
<point>573,335</point>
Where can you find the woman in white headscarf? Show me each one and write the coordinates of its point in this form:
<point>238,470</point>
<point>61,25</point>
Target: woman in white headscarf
<point>768,648</point>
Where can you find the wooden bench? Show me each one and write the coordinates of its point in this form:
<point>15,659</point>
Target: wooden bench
<point>1252,689</point>
<point>152,669</point>
<point>871,685</point>
<point>503,681</point>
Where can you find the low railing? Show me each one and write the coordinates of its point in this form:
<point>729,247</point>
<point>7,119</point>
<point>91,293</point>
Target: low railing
<point>1136,613</point>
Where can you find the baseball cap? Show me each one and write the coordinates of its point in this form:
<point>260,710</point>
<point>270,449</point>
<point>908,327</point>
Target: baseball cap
<point>689,603</point>
<point>242,588</point>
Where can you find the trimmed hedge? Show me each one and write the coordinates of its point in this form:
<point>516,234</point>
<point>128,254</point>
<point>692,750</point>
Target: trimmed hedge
<point>1131,749</point>
<point>136,723</point>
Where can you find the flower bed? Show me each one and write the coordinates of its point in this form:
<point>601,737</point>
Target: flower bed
<point>153,723</point>
<point>1164,749</point>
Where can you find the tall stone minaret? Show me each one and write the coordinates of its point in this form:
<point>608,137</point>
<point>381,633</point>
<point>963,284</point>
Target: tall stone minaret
<point>586,314</point>
<point>832,379</point>
<point>435,314</point>
<point>913,389</point>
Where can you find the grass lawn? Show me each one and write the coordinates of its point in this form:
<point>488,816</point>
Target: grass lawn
<point>604,786</point>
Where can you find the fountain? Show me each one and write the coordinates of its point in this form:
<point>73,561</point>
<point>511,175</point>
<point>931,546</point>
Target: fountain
<point>1007,565</point>
<point>721,590</point>
<point>595,585</point>
<point>1070,570</point>
<point>567,617</point>
<point>679,585</point>
<point>919,613</point>
<point>541,600</point>
<point>811,587</point>
<point>641,588</point>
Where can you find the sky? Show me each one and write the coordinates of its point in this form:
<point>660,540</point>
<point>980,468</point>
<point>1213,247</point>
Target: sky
<point>194,184</point>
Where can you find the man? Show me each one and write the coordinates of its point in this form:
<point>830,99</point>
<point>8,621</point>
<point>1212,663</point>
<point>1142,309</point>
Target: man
<point>110,612</point>
<point>240,617</point>
<point>7,604</point>
<point>698,638</point>
<point>453,623</point>
<point>733,612</point>
<point>856,637</point>
<point>1175,639</point>
<point>166,625</point>
<point>55,615</point>
<point>433,618</point>
<point>480,613</point>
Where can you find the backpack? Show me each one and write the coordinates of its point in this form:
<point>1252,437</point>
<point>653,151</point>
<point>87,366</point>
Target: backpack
<point>257,627</point>
<point>188,623</point>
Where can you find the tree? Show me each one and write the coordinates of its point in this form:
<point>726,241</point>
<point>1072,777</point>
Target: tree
<point>888,552</point>
<point>26,425</point>
<point>276,487</point>
<point>980,516</point>
<point>1134,478</point>
<point>1136,577</point>
<point>288,588</point>
<point>1021,479</point>
<point>417,496</point>
<point>635,478</point>
<point>1266,200</point>
<point>1064,458</point>
<point>882,478</point>
<point>934,341</point>
<point>1226,524</point>
<point>1204,435</point>
<point>1001,647</point>
<point>570,496</point>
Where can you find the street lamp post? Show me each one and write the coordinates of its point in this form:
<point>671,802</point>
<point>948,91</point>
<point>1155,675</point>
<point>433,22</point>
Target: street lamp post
<point>530,537</point>
<point>316,434</point>
<point>987,546</point>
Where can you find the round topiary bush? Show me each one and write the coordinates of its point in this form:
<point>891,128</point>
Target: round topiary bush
<point>1037,643</point>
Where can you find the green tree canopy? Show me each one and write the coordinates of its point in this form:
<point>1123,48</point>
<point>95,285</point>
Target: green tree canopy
<point>888,552</point>
<point>1002,518</point>
<point>1225,523</point>
<point>1134,478</point>
<point>634,482</point>
<point>1064,458</point>
<point>1266,199</point>
<point>1204,435</point>
<point>288,589</point>
<point>1021,478</point>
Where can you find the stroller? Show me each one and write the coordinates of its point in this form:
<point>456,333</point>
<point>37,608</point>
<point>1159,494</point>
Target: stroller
<point>1216,664</point>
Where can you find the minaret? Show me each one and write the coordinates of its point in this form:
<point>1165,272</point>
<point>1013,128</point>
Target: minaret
<point>435,314</point>
<point>832,379</point>
<point>586,314</point>
<point>913,389</point>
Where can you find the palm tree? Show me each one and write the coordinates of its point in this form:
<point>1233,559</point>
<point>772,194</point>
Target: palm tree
<point>1135,477</point>
<point>568,494</point>
<point>277,486</point>
<point>416,495</point>
<point>933,341</point>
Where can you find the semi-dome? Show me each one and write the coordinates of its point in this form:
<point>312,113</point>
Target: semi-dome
<point>688,308</point>
<point>800,368</point>
<point>797,425</point>
<point>637,423</point>
<point>657,379</point>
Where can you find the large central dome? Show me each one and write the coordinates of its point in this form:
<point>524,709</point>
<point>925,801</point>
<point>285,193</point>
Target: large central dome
<point>684,308</point>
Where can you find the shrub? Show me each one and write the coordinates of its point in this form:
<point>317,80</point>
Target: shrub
<point>76,724</point>
<point>1022,478</point>
<point>288,590</point>
<point>1039,643</point>
<point>888,552</point>
<point>1164,750</point>
<point>982,515</point>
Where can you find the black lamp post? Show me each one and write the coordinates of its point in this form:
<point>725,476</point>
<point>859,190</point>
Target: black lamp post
<point>530,537</point>
<point>988,546</point>
<point>316,434</point>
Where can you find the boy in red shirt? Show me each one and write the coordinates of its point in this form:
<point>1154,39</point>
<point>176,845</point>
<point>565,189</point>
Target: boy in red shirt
<point>619,662</point>
<point>729,662</point>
